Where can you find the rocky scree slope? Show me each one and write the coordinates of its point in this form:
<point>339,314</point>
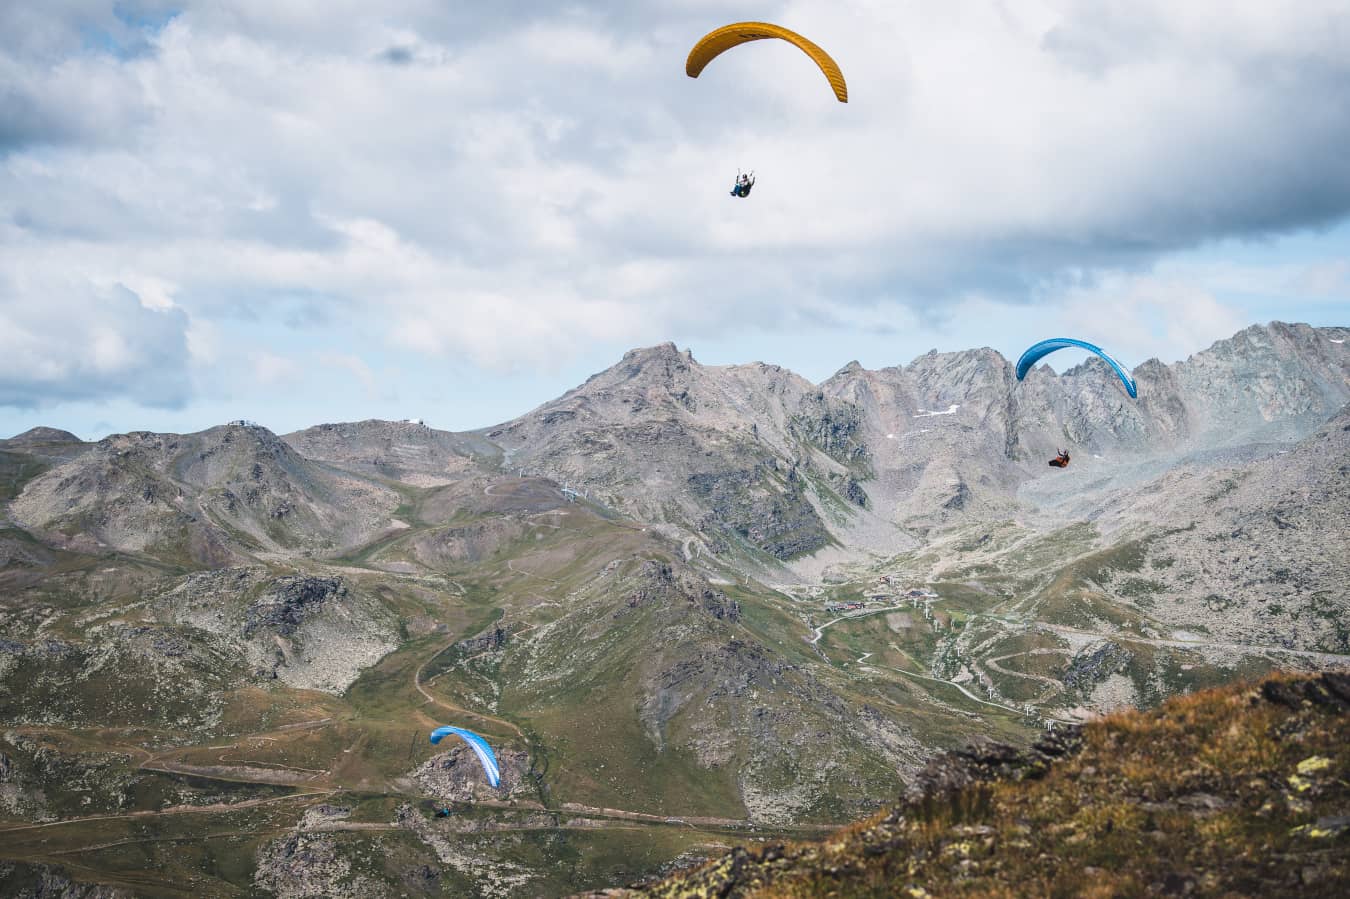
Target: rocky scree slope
<point>1253,553</point>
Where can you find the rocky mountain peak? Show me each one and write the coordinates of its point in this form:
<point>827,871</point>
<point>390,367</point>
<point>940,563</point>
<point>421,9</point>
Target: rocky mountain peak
<point>977,377</point>
<point>1152,367</point>
<point>184,495</point>
<point>662,351</point>
<point>662,364</point>
<point>853,367</point>
<point>409,451</point>
<point>42,435</point>
<point>660,368</point>
<point>977,356</point>
<point>1092,367</point>
<point>1267,378</point>
<point>1263,341</point>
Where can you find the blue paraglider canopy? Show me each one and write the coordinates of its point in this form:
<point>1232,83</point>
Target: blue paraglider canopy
<point>1034,354</point>
<point>486,757</point>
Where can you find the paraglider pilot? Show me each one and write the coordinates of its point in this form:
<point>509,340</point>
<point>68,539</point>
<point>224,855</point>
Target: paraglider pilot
<point>743,184</point>
<point>1061,460</point>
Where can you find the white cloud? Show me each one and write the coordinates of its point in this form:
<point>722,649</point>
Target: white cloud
<point>506,184</point>
<point>1144,316</point>
<point>1325,279</point>
<point>108,351</point>
<point>271,370</point>
<point>81,340</point>
<point>150,292</point>
<point>354,366</point>
<point>203,341</point>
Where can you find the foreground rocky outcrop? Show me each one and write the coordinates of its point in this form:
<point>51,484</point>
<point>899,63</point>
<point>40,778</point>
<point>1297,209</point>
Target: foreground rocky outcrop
<point>1238,791</point>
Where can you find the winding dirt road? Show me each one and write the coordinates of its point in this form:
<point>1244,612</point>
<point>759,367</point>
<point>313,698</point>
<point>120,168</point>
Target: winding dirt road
<point>451,707</point>
<point>820,631</point>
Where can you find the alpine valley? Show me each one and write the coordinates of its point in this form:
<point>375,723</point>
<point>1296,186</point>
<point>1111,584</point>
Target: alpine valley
<point>690,607</point>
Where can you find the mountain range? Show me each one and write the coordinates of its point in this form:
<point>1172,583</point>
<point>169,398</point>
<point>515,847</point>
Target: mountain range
<point>686,602</point>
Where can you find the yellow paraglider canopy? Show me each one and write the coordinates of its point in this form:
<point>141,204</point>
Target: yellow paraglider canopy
<point>717,42</point>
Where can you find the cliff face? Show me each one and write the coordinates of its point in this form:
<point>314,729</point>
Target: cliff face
<point>1170,802</point>
<point>742,456</point>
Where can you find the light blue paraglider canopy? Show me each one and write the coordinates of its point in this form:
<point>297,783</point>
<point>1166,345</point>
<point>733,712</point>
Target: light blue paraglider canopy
<point>480,746</point>
<point>1033,355</point>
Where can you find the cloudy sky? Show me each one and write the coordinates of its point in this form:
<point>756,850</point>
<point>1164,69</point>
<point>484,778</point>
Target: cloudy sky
<point>298,211</point>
